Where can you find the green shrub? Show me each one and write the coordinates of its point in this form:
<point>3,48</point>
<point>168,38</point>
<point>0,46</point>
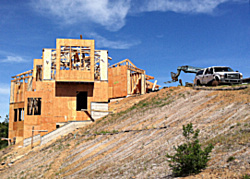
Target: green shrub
<point>246,176</point>
<point>230,159</point>
<point>3,133</point>
<point>189,157</point>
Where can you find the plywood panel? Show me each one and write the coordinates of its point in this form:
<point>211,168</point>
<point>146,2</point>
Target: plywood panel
<point>104,65</point>
<point>18,127</point>
<point>118,81</point>
<point>101,92</point>
<point>47,64</point>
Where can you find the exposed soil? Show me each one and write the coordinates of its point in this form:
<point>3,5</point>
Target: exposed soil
<point>133,142</point>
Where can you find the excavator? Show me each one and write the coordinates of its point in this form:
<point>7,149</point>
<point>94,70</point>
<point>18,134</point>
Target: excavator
<point>185,69</point>
<point>191,69</point>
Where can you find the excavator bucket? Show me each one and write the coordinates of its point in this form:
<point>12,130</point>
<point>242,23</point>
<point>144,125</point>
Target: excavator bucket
<point>174,77</point>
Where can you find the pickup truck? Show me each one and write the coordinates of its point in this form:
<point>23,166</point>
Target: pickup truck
<point>217,75</point>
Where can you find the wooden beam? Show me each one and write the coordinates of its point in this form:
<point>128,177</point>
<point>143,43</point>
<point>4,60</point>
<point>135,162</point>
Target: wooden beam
<point>148,77</point>
<point>126,61</point>
<point>24,73</point>
<point>16,80</point>
<point>135,69</point>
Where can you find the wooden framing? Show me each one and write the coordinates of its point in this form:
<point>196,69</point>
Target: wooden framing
<point>72,74</point>
<point>127,79</point>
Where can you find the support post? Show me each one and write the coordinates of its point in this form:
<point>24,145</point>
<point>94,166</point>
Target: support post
<point>12,89</point>
<point>154,85</point>
<point>33,130</point>
<point>143,84</point>
<point>32,137</point>
<point>128,82</point>
<point>23,89</point>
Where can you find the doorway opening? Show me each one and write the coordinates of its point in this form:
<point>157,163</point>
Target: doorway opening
<point>81,101</point>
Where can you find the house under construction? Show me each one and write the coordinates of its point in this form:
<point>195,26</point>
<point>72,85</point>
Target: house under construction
<point>73,82</point>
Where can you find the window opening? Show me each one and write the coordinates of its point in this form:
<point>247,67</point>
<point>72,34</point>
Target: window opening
<point>30,106</point>
<point>37,106</point>
<point>75,58</point>
<point>15,115</point>
<point>20,114</point>
<point>39,71</point>
<point>34,106</point>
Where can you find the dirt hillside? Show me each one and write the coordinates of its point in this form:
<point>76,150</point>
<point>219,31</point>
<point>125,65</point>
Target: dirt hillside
<point>133,142</point>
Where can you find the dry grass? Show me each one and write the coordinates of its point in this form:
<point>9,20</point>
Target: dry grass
<point>154,125</point>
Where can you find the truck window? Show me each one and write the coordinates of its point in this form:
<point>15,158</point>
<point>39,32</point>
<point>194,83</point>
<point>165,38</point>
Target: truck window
<point>199,72</point>
<point>209,71</point>
<point>223,69</point>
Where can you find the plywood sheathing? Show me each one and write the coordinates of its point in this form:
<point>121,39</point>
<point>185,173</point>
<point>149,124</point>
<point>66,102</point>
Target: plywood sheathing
<point>128,82</point>
<point>59,102</point>
<point>58,105</point>
<point>117,81</point>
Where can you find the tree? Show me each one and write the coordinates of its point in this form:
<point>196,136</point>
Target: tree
<point>4,132</point>
<point>189,157</point>
<point>6,120</point>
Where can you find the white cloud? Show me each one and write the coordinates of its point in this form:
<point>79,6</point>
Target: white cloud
<point>183,6</point>
<point>4,90</point>
<point>12,59</point>
<point>112,13</point>
<point>109,13</point>
<point>120,44</point>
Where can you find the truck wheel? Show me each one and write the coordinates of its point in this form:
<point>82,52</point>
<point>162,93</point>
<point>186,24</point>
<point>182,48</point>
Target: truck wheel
<point>215,83</point>
<point>198,83</point>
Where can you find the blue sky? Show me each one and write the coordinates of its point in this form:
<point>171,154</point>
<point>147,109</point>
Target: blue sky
<point>157,35</point>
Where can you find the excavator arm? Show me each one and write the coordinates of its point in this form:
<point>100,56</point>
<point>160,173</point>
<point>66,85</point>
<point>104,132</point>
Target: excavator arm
<point>185,69</point>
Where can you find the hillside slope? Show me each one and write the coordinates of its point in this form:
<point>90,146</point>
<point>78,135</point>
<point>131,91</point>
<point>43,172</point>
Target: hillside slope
<point>133,142</point>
